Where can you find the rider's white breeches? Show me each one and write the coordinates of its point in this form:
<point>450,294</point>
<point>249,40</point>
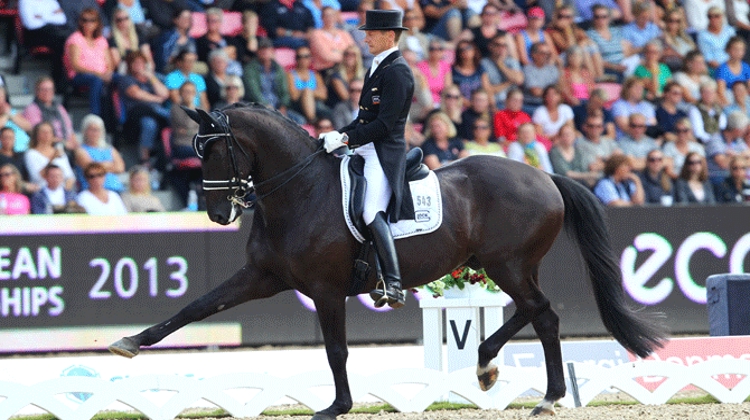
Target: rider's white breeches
<point>378,192</point>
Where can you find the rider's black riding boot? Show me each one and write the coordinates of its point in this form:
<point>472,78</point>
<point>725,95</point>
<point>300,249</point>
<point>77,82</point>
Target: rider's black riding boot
<point>389,291</point>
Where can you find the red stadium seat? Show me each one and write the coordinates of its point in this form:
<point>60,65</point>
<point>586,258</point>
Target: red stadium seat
<point>512,22</point>
<point>178,164</point>
<point>612,90</point>
<point>231,26</point>
<point>286,58</point>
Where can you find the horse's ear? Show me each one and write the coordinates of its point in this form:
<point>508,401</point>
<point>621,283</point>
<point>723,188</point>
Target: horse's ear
<point>208,118</point>
<point>191,113</point>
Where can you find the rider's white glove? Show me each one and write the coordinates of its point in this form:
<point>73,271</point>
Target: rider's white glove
<point>333,140</point>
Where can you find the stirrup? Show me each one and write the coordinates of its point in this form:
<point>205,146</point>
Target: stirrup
<point>381,296</point>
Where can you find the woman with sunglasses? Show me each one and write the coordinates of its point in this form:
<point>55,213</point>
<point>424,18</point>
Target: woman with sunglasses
<point>618,55</point>
<point>306,88</point>
<point>124,39</point>
<point>349,69</point>
<point>435,68</point>
<point>713,40</point>
<point>466,72</point>
<point>676,42</point>
<point>441,145</point>
<point>87,59</point>
<point>657,184</point>
<point>735,188</point>
<point>565,34</point>
<point>479,143</point>
<point>12,199</point>
<point>96,199</point>
<point>693,186</point>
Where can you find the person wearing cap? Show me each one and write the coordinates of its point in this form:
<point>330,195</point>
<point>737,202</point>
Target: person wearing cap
<point>533,34</point>
<point>377,134</point>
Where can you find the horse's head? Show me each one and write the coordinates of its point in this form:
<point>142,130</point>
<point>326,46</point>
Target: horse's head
<point>225,184</point>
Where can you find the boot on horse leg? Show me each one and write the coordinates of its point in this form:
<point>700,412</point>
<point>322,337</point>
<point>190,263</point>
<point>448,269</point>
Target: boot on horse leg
<point>388,289</point>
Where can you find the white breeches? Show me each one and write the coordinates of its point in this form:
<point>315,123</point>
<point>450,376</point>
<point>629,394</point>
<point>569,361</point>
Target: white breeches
<point>378,192</point>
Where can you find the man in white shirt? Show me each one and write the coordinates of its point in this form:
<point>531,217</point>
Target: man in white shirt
<point>44,24</point>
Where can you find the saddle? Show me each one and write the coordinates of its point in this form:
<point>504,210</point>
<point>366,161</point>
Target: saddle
<point>415,170</point>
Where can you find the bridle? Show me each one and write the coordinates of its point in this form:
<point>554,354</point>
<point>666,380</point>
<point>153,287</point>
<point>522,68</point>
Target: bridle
<point>238,186</point>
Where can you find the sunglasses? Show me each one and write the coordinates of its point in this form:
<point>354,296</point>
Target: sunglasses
<point>682,130</point>
<point>232,87</point>
<point>637,126</point>
<point>303,56</point>
<point>436,48</point>
<point>452,96</point>
<point>89,20</point>
<point>122,19</point>
<point>97,175</point>
<point>601,16</point>
<point>565,17</point>
<point>595,125</point>
<point>4,174</point>
<point>738,168</point>
<point>695,162</point>
<point>674,20</point>
<point>481,127</point>
<point>714,16</point>
<point>655,159</point>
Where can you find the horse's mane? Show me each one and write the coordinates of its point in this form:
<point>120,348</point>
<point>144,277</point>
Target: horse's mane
<point>275,115</point>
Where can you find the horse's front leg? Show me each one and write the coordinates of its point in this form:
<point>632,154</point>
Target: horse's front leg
<point>332,318</point>
<point>246,284</point>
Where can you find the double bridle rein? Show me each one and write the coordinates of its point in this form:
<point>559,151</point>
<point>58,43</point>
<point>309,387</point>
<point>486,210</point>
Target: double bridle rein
<point>238,186</point>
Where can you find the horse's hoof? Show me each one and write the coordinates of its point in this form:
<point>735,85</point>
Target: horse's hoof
<point>544,408</point>
<point>487,376</point>
<point>125,347</point>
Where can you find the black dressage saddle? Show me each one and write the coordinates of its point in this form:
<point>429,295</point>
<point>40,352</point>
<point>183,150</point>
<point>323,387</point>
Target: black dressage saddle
<point>415,170</point>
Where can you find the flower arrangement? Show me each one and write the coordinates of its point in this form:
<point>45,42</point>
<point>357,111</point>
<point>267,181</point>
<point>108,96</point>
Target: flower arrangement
<point>461,277</point>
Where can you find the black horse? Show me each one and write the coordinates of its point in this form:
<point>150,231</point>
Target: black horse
<point>498,214</point>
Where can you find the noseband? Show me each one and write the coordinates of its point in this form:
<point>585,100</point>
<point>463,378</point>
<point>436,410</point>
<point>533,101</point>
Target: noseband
<point>242,187</point>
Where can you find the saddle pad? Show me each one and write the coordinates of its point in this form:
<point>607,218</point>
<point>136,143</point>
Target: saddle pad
<point>428,206</point>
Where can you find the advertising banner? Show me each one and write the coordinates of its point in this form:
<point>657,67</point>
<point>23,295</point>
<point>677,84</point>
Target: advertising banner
<point>69,282</point>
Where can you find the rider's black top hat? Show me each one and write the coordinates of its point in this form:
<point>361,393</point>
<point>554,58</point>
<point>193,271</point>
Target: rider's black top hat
<point>382,20</point>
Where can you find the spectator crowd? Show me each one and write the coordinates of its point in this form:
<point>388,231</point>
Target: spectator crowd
<point>643,101</point>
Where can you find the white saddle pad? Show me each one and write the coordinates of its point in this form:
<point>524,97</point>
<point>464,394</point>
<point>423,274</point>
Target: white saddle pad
<point>428,206</point>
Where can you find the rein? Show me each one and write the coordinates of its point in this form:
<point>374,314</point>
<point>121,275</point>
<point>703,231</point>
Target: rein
<point>242,187</point>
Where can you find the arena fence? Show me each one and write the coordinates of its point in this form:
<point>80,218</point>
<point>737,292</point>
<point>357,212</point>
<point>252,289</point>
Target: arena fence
<point>162,397</point>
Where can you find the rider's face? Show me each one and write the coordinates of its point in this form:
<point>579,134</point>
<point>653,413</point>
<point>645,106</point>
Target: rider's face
<point>379,41</point>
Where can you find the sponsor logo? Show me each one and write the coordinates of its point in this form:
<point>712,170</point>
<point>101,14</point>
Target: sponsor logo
<point>422,216</point>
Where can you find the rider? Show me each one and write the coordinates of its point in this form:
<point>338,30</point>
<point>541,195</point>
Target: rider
<point>377,134</point>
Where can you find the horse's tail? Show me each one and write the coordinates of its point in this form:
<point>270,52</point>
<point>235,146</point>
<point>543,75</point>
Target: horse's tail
<point>585,221</point>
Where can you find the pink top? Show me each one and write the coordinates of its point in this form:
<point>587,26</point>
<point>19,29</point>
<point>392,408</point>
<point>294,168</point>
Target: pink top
<point>580,90</point>
<point>91,57</point>
<point>436,83</point>
<point>15,203</point>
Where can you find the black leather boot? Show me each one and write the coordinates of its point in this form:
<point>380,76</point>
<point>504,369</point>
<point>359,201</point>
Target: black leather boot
<point>388,290</point>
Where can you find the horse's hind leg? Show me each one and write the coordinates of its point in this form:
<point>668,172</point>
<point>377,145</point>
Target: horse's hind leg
<point>547,327</point>
<point>514,283</point>
<point>332,317</point>
<point>246,284</point>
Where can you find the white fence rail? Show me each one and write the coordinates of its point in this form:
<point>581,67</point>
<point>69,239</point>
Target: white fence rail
<point>408,390</point>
